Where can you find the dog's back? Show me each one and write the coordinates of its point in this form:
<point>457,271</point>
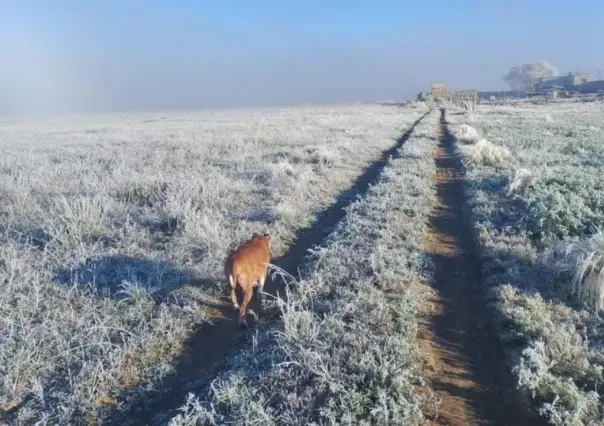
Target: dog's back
<point>247,267</point>
<point>249,262</point>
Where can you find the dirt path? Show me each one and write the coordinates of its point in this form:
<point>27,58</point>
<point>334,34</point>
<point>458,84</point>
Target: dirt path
<point>462,357</point>
<point>211,345</point>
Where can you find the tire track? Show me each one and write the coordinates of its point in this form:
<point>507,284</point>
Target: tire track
<point>210,345</point>
<point>464,361</point>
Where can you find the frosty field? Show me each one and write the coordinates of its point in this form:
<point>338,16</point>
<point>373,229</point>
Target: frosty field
<point>346,351</point>
<point>114,230</point>
<point>536,186</point>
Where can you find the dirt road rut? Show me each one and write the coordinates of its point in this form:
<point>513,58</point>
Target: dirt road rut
<point>463,361</point>
<point>210,346</point>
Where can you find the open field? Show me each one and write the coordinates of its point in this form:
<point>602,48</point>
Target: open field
<point>346,350</point>
<point>419,245</point>
<point>536,187</point>
<point>114,230</point>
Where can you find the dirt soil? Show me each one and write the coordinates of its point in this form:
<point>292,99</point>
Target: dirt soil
<point>469,380</point>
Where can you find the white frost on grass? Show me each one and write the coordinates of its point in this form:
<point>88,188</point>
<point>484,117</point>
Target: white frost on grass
<point>485,152</point>
<point>521,179</point>
<point>588,260</point>
<point>536,292</point>
<point>114,229</point>
<point>467,134</point>
<point>345,352</point>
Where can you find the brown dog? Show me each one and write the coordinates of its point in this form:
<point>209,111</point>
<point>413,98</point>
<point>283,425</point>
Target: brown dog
<point>248,267</point>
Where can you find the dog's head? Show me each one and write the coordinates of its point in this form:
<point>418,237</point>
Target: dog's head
<point>266,236</point>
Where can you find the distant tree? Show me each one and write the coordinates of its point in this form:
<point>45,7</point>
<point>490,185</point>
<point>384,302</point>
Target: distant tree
<point>525,76</point>
<point>424,97</point>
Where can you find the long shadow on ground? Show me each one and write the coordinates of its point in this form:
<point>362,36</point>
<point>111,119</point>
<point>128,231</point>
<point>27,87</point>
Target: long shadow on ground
<point>211,345</point>
<point>469,365</point>
<point>106,273</point>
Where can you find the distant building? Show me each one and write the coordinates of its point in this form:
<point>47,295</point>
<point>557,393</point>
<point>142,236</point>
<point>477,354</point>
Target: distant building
<point>468,94</point>
<point>439,91</point>
<point>567,82</point>
<point>500,95</point>
<point>591,87</point>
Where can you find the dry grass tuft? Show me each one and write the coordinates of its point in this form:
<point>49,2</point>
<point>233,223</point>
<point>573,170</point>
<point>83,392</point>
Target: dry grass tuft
<point>588,259</point>
<point>467,134</point>
<point>521,179</point>
<point>486,153</point>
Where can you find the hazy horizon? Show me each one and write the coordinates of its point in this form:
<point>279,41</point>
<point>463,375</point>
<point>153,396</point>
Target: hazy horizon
<point>158,55</point>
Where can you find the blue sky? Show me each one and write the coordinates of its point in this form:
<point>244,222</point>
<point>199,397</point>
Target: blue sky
<point>83,56</point>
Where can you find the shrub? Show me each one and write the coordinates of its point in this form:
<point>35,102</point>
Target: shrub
<point>467,134</point>
<point>588,258</point>
<point>562,203</point>
<point>522,178</point>
<point>486,153</point>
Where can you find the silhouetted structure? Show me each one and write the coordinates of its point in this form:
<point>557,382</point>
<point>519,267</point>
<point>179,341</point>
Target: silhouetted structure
<point>568,82</point>
<point>440,92</point>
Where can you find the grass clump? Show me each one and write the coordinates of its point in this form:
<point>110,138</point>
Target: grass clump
<point>485,152</point>
<point>588,277</point>
<point>467,134</point>
<point>521,179</point>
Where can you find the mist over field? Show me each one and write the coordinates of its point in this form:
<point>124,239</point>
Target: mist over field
<point>98,57</point>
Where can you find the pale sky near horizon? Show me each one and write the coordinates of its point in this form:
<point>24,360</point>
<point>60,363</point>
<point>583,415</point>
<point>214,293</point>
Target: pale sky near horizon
<point>87,56</point>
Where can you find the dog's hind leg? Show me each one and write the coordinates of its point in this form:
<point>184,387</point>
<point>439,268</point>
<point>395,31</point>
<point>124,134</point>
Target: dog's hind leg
<point>233,285</point>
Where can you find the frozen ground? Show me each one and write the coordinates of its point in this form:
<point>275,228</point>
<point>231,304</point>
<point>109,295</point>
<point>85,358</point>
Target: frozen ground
<point>113,231</point>
<point>536,184</point>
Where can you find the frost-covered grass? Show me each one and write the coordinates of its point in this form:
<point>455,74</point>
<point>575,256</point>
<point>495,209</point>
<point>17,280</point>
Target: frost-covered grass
<point>588,259</point>
<point>485,152</point>
<point>536,215</point>
<point>467,134</point>
<point>345,352</point>
<point>113,231</point>
<point>477,150</point>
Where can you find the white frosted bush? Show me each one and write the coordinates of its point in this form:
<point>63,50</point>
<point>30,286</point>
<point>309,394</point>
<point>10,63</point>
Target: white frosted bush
<point>467,134</point>
<point>564,202</point>
<point>588,259</point>
<point>486,153</point>
<point>522,178</point>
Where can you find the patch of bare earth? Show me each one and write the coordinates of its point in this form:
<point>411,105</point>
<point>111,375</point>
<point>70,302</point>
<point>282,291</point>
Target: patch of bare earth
<point>469,382</point>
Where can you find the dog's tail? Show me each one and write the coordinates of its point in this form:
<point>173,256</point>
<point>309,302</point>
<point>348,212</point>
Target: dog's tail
<point>232,281</point>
